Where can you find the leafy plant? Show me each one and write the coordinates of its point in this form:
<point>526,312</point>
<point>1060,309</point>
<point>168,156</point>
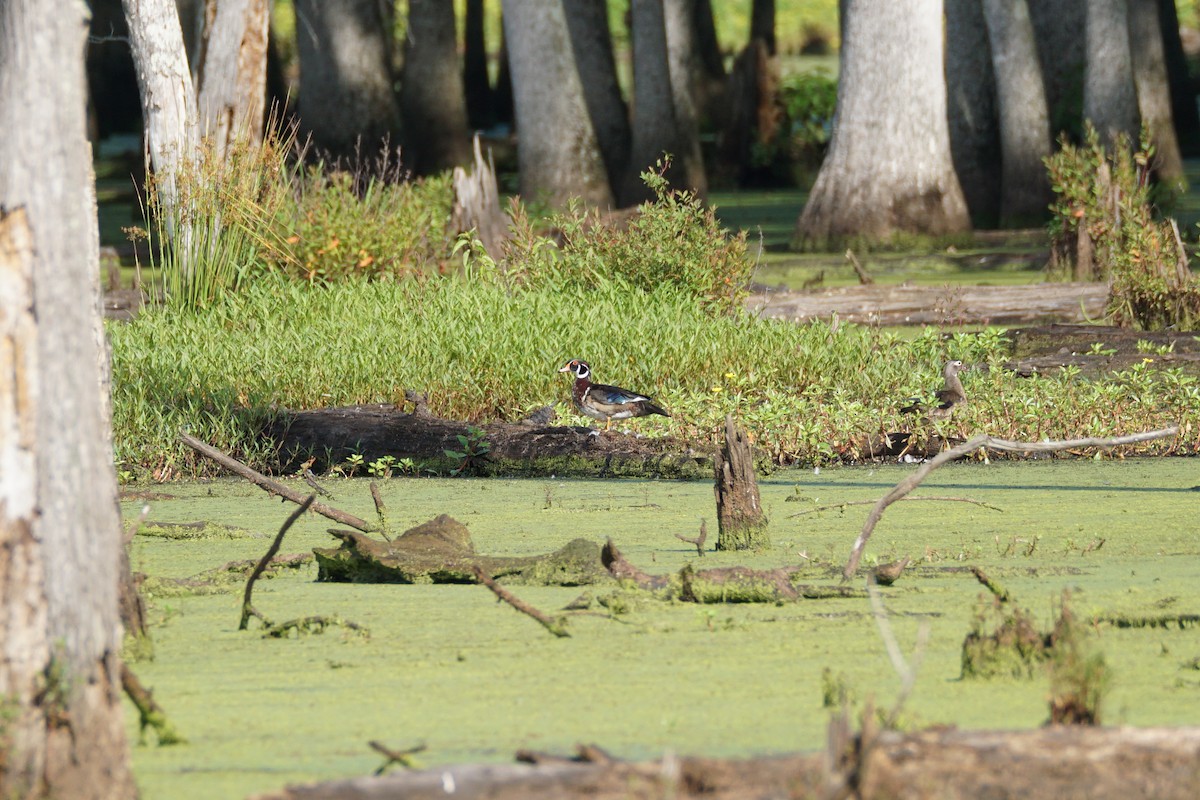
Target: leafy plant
<point>381,467</point>
<point>473,455</point>
<point>1104,227</point>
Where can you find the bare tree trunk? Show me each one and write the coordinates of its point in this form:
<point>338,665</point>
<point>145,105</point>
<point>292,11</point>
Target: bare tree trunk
<point>1109,97</point>
<point>654,129</point>
<point>680,19</point>
<point>1153,89</point>
<point>888,169</point>
<point>432,97</point>
<point>232,76</point>
<point>64,732</point>
<point>740,518</point>
<point>591,40</point>
<point>1024,119</point>
<point>168,104</point>
<point>346,94</point>
<point>477,86</point>
<point>557,150</point>
<point>1183,89</point>
<point>1062,52</point>
<point>762,23</point>
<point>710,63</point>
<point>971,110</point>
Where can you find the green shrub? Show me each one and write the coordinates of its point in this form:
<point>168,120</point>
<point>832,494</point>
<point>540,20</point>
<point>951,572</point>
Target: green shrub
<point>809,100</point>
<point>675,241</point>
<point>1104,228</point>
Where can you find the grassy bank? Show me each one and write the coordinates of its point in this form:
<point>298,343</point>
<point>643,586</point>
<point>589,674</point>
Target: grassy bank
<point>810,393</point>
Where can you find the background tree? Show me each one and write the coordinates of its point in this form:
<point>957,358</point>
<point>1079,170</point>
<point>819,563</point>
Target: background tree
<point>60,538</point>
<point>683,65</point>
<point>591,42</point>
<point>654,128</point>
<point>1023,115</point>
<point>1061,52</point>
<point>888,169</point>
<point>476,82</point>
<point>432,90</point>
<point>971,109</point>
<point>231,79</point>
<point>1109,97</point>
<point>1148,58</point>
<point>557,150</point>
<point>1183,93</point>
<point>345,93</point>
<point>762,23</point>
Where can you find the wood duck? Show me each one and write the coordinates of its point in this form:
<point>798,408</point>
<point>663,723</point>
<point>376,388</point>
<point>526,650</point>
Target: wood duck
<point>949,397</point>
<point>603,402</point>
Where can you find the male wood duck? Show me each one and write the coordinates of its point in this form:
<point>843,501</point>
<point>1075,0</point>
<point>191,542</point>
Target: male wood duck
<point>949,397</point>
<point>603,402</point>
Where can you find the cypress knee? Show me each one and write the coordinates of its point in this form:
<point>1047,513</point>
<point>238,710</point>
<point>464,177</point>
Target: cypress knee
<point>740,519</point>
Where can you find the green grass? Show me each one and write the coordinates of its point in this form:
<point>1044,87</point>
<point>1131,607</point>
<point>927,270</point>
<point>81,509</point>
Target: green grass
<point>811,393</point>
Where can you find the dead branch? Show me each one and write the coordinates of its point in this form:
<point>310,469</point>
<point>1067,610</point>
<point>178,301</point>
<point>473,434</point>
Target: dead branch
<point>316,623</point>
<point>273,487</point>
<point>905,669</point>
<point>696,540</point>
<point>385,529</point>
<point>998,591</point>
<point>976,443</point>
<point>555,626</point>
<point>248,609</point>
<point>132,529</point>
<point>847,503</point>
<point>311,480</point>
<point>150,713</point>
<point>401,757</point>
<point>864,278</point>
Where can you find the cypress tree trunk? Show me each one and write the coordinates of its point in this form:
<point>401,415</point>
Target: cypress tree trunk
<point>432,97</point>
<point>740,519</point>
<point>232,79</point>
<point>971,110</point>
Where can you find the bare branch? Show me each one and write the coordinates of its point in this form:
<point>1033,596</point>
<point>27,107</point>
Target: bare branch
<point>555,626</point>
<point>248,609</point>
<point>978,442</point>
<point>273,487</point>
<point>847,503</point>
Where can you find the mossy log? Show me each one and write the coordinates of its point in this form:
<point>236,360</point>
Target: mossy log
<point>529,447</point>
<point>441,551</point>
<point>722,584</point>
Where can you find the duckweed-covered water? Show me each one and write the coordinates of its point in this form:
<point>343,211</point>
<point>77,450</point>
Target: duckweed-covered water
<point>474,680</point>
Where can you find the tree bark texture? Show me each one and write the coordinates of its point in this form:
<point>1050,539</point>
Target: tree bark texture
<point>168,98</point>
<point>558,152</point>
<point>1058,26</point>
<point>591,40</point>
<point>654,128</point>
<point>1153,88</point>
<point>432,98</point>
<point>740,519</point>
<point>1024,118</point>
<point>683,61</point>
<point>1183,95</point>
<point>888,170</point>
<point>1109,98</point>
<point>59,523</point>
<point>971,110</point>
<point>232,78</point>
<point>346,96</point>
<point>477,86</point>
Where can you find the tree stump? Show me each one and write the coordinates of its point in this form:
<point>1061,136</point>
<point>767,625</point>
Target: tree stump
<point>740,519</point>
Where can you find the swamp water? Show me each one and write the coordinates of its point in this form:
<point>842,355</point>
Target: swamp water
<point>475,680</point>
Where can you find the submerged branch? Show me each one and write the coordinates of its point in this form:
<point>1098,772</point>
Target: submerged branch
<point>939,498</point>
<point>555,626</point>
<point>273,487</point>
<point>976,443</point>
<point>248,609</point>
<point>150,713</point>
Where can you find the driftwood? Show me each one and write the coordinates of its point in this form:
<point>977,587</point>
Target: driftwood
<point>528,447</point>
<point>556,625</point>
<point>248,609</point>
<point>1045,764</point>
<point>441,551</point>
<point>979,442</point>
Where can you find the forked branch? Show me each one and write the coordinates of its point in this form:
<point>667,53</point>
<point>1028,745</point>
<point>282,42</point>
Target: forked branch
<point>977,443</point>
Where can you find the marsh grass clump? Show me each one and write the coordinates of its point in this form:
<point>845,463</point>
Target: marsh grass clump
<point>1104,227</point>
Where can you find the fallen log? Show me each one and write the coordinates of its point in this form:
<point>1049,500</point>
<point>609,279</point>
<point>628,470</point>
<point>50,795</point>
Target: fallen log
<point>1044,764</point>
<point>532,447</point>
